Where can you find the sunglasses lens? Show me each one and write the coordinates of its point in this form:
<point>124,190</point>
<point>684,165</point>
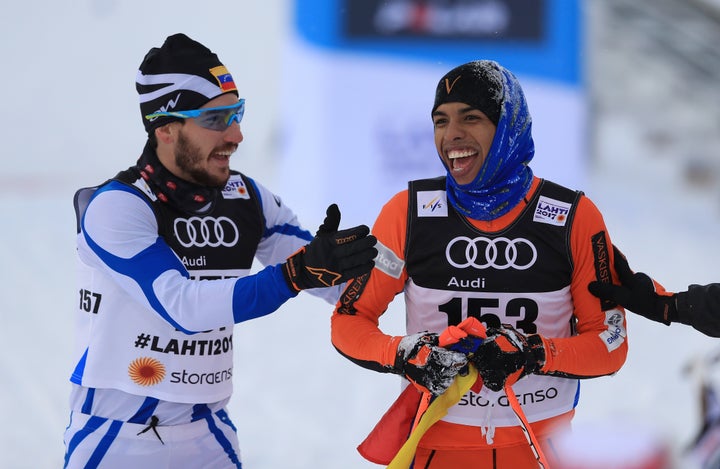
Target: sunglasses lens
<point>238,114</point>
<point>213,120</point>
<point>222,118</point>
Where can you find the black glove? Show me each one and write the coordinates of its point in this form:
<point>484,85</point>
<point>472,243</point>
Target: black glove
<point>507,355</point>
<point>636,293</point>
<point>429,367</point>
<point>332,257</point>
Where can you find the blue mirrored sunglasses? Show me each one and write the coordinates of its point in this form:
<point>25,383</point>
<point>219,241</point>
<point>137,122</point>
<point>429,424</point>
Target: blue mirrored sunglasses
<point>213,118</point>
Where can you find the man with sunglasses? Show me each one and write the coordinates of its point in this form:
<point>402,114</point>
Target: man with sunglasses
<point>165,251</point>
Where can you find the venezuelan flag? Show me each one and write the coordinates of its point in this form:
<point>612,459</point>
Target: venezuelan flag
<point>225,80</point>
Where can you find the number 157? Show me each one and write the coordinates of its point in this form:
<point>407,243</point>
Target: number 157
<point>90,301</point>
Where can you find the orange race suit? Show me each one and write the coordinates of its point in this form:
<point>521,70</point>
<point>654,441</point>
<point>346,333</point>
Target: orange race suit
<point>528,268</point>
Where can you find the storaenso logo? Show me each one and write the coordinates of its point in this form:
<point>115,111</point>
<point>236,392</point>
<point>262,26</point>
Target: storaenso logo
<point>207,231</point>
<point>498,253</point>
<point>186,377</point>
<point>478,400</point>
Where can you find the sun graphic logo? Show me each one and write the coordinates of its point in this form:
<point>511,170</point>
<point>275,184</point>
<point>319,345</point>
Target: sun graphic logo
<point>146,371</point>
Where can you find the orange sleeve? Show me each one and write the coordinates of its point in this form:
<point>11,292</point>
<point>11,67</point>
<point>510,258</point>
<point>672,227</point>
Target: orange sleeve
<point>354,324</point>
<point>595,350</point>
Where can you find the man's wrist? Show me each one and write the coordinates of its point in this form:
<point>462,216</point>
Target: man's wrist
<point>536,353</point>
<point>289,271</point>
<point>671,309</point>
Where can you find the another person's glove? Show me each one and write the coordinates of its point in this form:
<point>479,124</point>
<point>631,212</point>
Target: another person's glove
<point>332,257</point>
<point>637,293</point>
<point>428,366</point>
<point>507,355</point>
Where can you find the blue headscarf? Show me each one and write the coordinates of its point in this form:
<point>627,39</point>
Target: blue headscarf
<point>505,177</point>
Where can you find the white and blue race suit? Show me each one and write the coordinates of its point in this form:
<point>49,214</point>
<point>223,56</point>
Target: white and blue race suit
<point>159,292</point>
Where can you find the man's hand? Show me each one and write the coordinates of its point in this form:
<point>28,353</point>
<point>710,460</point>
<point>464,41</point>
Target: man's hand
<point>332,257</point>
<point>428,366</point>
<point>507,355</point>
<point>637,293</point>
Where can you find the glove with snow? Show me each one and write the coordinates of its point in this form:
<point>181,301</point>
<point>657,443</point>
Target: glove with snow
<point>507,355</point>
<point>429,367</point>
<point>332,257</point>
<point>637,293</point>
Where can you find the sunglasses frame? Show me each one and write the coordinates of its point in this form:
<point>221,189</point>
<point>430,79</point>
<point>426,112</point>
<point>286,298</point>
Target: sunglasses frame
<point>195,113</point>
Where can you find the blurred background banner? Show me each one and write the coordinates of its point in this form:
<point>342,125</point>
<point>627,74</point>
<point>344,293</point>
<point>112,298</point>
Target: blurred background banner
<point>359,78</point>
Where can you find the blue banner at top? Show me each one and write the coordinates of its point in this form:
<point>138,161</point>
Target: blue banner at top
<point>539,38</point>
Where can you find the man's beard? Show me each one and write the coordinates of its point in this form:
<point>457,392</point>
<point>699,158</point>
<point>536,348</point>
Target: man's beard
<point>189,159</point>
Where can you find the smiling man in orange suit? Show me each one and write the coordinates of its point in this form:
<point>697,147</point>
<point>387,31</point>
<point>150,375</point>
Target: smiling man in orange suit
<point>492,241</point>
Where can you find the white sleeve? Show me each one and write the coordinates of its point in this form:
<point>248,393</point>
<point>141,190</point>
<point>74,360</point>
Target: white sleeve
<point>284,236</point>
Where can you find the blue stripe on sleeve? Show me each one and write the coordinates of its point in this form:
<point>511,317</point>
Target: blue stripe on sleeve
<point>155,260</point>
<point>285,229</point>
<point>289,230</point>
<point>267,291</point>
<point>119,186</point>
<point>144,268</point>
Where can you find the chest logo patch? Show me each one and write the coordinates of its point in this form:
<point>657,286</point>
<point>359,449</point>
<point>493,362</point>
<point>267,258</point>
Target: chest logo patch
<point>551,211</point>
<point>432,204</point>
<point>235,189</point>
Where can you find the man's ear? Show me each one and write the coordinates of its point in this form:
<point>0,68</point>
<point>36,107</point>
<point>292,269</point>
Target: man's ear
<point>167,133</point>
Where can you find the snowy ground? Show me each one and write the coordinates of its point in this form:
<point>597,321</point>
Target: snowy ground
<point>297,404</point>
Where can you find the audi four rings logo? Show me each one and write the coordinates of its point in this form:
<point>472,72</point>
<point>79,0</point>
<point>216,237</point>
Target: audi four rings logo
<point>499,253</point>
<point>206,231</point>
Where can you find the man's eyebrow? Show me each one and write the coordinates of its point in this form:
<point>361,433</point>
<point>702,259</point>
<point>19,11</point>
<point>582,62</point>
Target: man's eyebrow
<point>467,109</point>
<point>463,110</point>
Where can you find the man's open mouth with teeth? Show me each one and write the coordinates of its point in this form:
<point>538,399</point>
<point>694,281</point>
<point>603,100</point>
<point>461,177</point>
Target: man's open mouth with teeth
<point>461,161</point>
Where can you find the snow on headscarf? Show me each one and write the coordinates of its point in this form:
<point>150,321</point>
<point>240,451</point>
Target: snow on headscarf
<point>505,177</point>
